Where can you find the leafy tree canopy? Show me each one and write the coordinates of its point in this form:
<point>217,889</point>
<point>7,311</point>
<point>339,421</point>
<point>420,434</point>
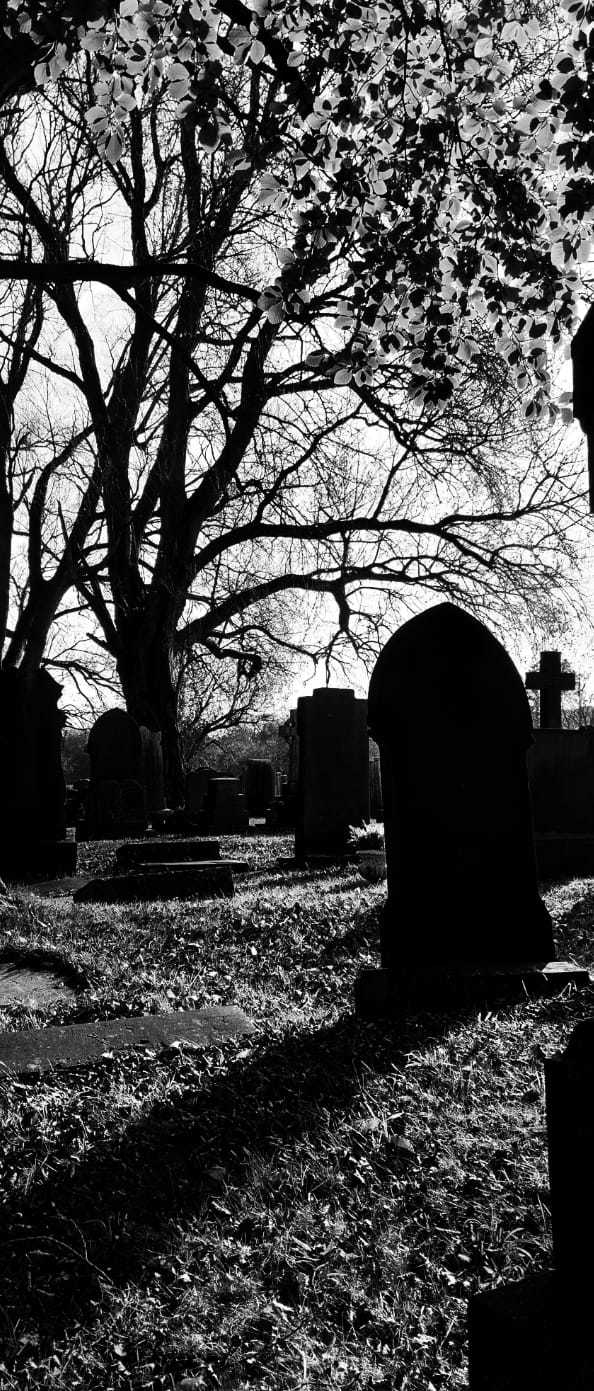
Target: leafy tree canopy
<point>435,157</point>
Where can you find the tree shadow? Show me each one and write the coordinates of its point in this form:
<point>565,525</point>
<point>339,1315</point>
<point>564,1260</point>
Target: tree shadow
<point>104,1220</point>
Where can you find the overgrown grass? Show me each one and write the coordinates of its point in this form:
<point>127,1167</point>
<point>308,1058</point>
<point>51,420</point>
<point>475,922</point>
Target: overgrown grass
<point>307,1207</point>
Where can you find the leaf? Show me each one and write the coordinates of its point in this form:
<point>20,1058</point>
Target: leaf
<point>343,376</point>
<point>257,52</point>
<point>483,46</point>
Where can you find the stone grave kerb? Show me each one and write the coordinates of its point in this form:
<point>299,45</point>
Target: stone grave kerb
<point>550,681</point>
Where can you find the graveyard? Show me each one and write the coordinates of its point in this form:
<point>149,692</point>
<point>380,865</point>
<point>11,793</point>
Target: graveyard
<point>297,784</point>
<point>272,1120</point>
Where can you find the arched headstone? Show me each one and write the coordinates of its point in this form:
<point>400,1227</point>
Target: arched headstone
<point>450,713</point>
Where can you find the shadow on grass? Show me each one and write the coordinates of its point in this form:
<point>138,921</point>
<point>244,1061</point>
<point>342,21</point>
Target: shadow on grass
<point>98,1221</point>
<point>106,1219</point>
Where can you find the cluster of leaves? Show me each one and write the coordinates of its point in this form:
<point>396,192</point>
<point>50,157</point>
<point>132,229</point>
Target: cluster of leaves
<point>314,1205</point>
<point>436,158</point>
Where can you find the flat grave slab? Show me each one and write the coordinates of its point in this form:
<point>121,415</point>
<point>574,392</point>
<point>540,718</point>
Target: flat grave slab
<point>57,888</point>
<point>43,1050</point>
<point>33,982</point>
<point>129,856</point>
<point>207,879</point>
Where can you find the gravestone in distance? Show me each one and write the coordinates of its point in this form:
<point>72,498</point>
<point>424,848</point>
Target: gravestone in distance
<point>550,681</point>
<point>33,839</point>
<point>536,1331</point>
<point>196,788</point>
<point>225,812</point>
<point>116,798</point>
<point>561,777</point>
<point>260,786</point>
<point>451,717</point>
<point>333,782</point>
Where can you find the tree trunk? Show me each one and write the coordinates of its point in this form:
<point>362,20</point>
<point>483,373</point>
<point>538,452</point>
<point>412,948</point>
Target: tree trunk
<point>144,669</point>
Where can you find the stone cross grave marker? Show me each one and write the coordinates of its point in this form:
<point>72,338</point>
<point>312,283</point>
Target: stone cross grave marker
<point>450,714</point>
<point>550,681</point>
<point>537,1331</point>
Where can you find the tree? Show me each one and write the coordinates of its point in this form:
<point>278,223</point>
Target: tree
<point>327,238</point>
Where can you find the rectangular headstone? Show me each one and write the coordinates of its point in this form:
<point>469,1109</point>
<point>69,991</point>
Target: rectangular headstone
<point>333,785</point>
<point>68,1046</point>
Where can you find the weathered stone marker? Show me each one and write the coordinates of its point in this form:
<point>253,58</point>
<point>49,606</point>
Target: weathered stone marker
<point>451,717</point>
<point>537,1331</point>
<point>550,681</point>
<point>333,780</point>
<point>42,1050</point>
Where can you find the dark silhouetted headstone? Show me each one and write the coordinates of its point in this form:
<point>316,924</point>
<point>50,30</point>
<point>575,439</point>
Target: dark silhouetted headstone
<point>561,777</point>
<point>116,798</point>
<point>550,681</point>
<point>259,786</point>
<point>536,1331</point>
<point>225,812</point>
<point>33,788</point>
<point>450,714</point>
<point>333,785</point>
<point>196,788</point>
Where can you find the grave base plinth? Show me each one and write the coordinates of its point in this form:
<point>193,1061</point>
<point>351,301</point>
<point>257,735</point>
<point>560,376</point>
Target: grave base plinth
<point>530,1333</point>
<point>384,993</point>
<point>37,859</point>
<point>128,856</point>
<point>561,856</point>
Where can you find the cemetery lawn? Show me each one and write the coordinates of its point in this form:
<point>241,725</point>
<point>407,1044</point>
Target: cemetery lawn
<point>306,1207</point>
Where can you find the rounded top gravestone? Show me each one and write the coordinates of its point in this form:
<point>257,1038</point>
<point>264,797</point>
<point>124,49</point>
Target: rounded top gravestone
<point>115,747</point>
<point>445,667</point>
<point>451,716</point>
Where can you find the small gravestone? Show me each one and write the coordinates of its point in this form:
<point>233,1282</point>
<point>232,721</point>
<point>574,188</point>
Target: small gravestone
<point>450,714</point>
<point>333,784</point>
<point>225,811</point>
<point>260,786</point>
<point>536,1332</point>
<point>73,1045</point>
<point>116,798</point>
<point>33,841</point>
<point>196,789</point>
